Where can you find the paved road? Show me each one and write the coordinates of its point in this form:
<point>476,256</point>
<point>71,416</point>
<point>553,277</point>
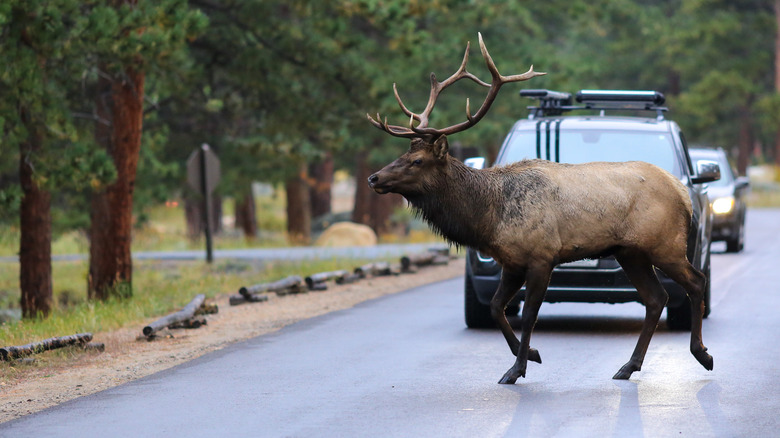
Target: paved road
<point>404,365</point>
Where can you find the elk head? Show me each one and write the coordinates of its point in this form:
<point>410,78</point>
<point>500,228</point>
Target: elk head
<point>427,155</point>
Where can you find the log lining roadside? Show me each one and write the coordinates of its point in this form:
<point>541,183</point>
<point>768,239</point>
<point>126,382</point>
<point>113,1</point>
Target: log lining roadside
<point>290,282</point>
<point>182,315</point>
<point>15,352</point>
<point>322,277</point>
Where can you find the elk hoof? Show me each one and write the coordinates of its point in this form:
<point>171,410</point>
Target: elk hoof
<point>625,371</point>
<point>533,355</point>
<point>704,359</point>
<point>510,377</point>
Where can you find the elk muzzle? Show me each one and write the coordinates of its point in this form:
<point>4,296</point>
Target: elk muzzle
<point>374,183</point>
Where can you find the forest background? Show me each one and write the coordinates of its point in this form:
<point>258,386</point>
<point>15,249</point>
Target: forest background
<point>102,101</point>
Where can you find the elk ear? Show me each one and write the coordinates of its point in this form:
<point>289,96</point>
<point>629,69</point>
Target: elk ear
<point>441,147</point>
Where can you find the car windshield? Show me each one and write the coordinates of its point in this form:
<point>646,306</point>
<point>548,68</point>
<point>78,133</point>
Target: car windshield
<point>582,146</point>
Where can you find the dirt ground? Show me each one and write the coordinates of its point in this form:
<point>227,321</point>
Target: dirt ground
<point>45,383</point>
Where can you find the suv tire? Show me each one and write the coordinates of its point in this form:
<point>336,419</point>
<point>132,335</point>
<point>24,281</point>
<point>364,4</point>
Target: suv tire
<point>679,318</point>
<point>737,243</point>
<point>477,314</point>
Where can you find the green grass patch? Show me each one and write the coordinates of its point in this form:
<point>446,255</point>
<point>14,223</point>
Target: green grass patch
<point>159,287</point>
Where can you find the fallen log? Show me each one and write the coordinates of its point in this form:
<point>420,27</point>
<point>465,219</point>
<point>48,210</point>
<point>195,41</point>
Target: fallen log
<point>297,289</point>
<point>374,269</point>
<point>347,279</point>
<point>191,323</point>
<point>292,281</point>
<point>423,259</point>
<point>95,346</point>
<point>239,299</point>
<point>16,352</point>
<point>318,287</point>
<point>322,277</point>
<point>186,313</point>
<point>207,309</point>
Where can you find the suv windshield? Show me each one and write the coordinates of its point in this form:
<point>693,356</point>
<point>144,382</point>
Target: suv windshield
<point>582,146</point>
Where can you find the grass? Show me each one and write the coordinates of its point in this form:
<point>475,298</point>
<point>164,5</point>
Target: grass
<point>158,288</point>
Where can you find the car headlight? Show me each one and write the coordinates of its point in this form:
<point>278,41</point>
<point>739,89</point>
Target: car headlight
<point>723,205</point>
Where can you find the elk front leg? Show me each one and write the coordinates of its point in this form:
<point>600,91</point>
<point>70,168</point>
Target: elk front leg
<point>536,288</point>
<point>510,284</point>
<point>639,270</point>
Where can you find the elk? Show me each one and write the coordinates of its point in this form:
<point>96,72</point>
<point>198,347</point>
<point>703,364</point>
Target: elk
<point>534,214</point>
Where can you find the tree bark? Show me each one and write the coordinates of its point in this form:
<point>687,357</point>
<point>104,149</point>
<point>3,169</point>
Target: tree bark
<point>35,279</point>
<point>361,213</point>
<point>120,100</point>
<point>371,208</point>
<point>193,216</point>
<point>777,76</point>
<point>745,141</point>
<point>322,183</point>
<point>246,214</point>
<point>298,209</point>
<point>382,208</point>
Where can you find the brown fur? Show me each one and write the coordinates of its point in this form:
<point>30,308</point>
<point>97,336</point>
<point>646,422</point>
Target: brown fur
<point>531,215</point>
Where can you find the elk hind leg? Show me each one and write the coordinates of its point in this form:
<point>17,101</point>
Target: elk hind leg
<point>536,287</point>
<point>642,275</point>
<point>694,282</point>
<point>510,284</point>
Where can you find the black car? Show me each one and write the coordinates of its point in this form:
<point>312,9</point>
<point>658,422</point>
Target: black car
<point>553,133</point>
<point>727,197</point>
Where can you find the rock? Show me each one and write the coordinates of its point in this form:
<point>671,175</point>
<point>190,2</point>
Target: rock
<point>10,315</point>
<point>347,234</point>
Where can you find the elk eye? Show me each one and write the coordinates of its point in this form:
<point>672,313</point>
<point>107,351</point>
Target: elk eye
<point>416,162</point>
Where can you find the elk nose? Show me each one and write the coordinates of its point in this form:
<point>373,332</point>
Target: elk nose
<point>373,179</point>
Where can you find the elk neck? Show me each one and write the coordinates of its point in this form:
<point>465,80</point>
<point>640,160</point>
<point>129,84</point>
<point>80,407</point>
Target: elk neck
<point>458,205</point>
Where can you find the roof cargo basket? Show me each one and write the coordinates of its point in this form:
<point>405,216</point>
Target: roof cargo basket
<point>629,97</point>
<point>553,103</point>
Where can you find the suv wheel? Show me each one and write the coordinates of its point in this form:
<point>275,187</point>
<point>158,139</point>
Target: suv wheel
<point>737,243</point>
<point>679,318</point>
<point>477,314</point>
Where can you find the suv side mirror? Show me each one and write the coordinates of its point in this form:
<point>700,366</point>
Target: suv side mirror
<point>706,171</point>
<point>742,183</point>
<point>475,162</point>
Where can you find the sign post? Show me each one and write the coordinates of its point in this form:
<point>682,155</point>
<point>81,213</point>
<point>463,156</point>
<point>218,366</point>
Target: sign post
<point>203,175</point>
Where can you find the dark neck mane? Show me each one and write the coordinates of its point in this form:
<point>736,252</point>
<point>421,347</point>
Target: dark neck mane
<point>457,208</point>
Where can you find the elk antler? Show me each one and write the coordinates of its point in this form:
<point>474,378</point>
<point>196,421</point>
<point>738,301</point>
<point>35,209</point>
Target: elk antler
<point>422,129</point>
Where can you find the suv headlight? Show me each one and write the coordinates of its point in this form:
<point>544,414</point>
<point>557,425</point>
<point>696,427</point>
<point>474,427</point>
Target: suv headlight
<point>723,205</point>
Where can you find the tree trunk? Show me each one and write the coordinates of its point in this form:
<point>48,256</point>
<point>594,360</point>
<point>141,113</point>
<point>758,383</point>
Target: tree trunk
<point>120,101</point>
<point>193,216</point>
<point>298,209</point>
<point>322,183</point>
<point>745,141</point>
<point>35,279</point>
<point>361,213</point>
<point>777,75</point>
<point>216,214</point>
<point>246,215</point>
<point>382,208</point>
<point>371,208</point>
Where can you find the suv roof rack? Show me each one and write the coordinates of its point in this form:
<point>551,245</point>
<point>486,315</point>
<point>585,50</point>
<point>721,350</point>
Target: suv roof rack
<point>554,103</point>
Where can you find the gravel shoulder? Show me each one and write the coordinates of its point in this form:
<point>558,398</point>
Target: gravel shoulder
<point>39,386</point>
